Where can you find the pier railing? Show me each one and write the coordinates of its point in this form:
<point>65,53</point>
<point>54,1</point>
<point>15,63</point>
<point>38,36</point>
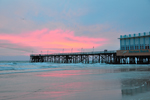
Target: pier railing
<point>77,53</point>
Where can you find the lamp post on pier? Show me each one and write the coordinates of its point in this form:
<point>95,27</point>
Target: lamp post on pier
<point>71,50</point>
<point>93,48</point>
<point>81,50</point>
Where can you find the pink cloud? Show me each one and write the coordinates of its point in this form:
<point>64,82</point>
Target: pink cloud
<point>57,38</point>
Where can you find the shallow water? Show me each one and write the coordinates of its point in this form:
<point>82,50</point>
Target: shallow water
<point>49,81</point>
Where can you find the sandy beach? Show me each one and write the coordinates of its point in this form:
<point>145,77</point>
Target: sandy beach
<point>78,82</point>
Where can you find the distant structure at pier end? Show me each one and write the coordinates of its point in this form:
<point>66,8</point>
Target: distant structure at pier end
<point>136,47</point>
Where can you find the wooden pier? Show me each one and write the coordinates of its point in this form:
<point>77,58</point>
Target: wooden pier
<point>78,57</point>
<point>110,57</point>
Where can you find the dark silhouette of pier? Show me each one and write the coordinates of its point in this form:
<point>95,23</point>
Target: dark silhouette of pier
<point>78,57</point>
<point>110,57</point>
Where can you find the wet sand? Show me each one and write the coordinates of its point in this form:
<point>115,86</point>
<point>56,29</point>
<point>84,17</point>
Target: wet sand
<point>97,83</point>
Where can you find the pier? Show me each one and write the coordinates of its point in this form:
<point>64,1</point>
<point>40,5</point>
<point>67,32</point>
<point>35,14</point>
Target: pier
<point>109,57</point>
<point>78,57</point>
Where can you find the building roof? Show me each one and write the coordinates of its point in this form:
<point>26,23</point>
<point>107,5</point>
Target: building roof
<point>145,34</point>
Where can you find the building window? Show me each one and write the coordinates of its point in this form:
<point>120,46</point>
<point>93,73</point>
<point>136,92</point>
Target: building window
<point>131,47</point>
<point>136,47</point>
<point>122,48</point>
<point>128,47</point>
<point>141,46</point>
<point>146,46</point>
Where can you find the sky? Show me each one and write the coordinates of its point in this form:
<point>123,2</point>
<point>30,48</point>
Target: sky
<point>57,26</point>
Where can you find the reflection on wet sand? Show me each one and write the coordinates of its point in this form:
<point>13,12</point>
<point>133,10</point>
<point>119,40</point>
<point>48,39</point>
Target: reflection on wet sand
<point>137,81</point>
<point>129,69</point>
<point>138,86</point>
<point>134,69</point>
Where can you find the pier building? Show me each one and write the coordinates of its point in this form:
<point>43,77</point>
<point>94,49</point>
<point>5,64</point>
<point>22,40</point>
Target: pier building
<point>135,46</point>
<point>135,41</point>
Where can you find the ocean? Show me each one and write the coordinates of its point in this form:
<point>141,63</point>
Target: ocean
<point>22,80</point>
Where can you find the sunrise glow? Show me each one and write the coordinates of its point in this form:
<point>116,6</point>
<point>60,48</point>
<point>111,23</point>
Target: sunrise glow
<point>57,38</point>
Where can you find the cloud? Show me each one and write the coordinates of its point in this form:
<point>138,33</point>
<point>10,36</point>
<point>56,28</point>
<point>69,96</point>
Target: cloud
<point>47,39</point>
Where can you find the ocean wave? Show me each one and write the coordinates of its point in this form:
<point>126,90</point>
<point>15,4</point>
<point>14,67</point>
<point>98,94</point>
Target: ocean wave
<point>25,66</point>
<point>6,68</point>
